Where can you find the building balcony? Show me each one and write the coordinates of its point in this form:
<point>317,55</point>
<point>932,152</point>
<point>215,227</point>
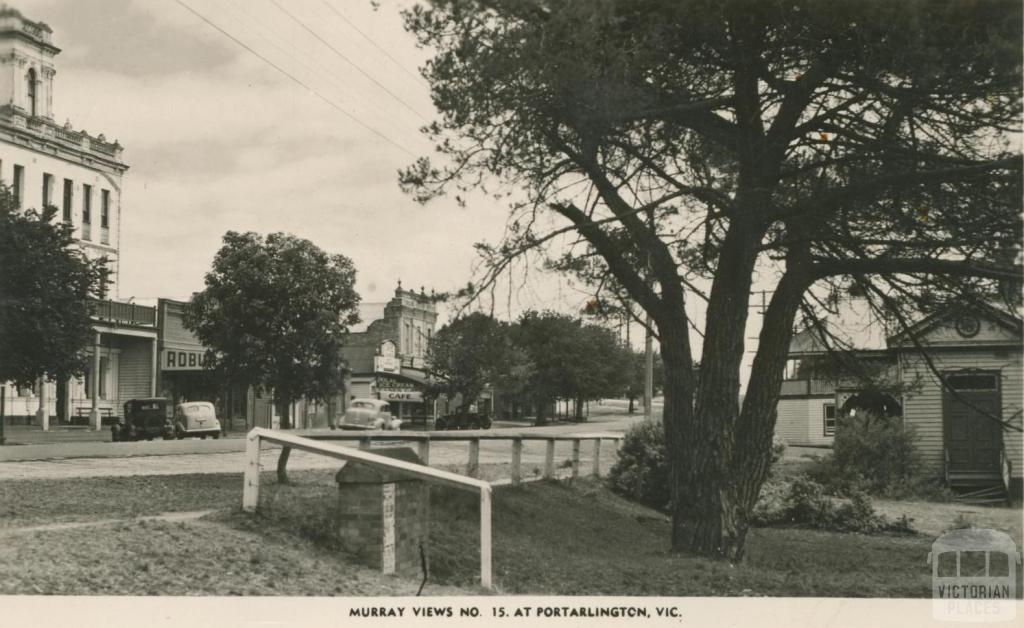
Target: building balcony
<point>109,311</point>
<point>800,387</point>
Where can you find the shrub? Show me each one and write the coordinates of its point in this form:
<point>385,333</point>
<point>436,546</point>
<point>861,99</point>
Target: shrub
<point>779,446</point>
<point>803,502</point>
<point>641,471</point>
<point>873,454</point>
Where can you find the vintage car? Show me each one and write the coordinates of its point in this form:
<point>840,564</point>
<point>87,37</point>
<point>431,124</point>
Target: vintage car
<point>369,414</point>
<point>464,421</point>
<point>196,418</point>
<point>143,419</point>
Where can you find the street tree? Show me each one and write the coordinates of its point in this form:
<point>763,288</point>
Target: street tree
<point>274,314</point>
<point>467,355</point>
<point>45,285</point>
<point>693,146</point>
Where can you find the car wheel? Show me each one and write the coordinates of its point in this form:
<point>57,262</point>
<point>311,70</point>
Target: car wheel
<point>202,437</point>
<point>216,436</point>
<point>441,424</point>
<point>485,423</point>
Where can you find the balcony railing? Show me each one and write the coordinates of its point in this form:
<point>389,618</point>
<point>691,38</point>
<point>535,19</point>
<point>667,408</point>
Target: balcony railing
<point>123,313</point>
<point>792,387</point>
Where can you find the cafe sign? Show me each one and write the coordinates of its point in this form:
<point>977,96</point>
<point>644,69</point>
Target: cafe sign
<point>182,359</point>
<point>395,389</point>
<point>401,395</point>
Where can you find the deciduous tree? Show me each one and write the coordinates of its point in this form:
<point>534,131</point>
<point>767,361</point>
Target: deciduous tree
<point>45,284</point>
<point>274,314</point>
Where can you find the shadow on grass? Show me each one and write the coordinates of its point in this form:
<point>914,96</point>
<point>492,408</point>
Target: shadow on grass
<point>580,539</point>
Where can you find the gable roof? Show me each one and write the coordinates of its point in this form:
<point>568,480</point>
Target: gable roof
<point>1011,322</point>
<point>860,330</point>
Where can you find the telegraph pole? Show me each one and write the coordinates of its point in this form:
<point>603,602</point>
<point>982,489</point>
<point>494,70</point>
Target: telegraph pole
<point>649,342</point>
<point>648,371</point>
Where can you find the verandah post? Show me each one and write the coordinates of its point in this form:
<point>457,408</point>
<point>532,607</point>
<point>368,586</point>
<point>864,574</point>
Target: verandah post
<point>575,458</point>
<point>597,457</point>
<point>549,460</point>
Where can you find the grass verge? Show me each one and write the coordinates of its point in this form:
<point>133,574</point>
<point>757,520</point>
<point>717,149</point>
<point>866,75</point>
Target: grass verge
<point>550,538</point>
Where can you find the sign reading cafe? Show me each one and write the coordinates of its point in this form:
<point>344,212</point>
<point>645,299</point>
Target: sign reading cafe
<point>394,389</point>
<point>182,360</point>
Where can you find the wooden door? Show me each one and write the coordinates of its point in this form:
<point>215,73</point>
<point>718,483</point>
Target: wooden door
<point>972,438</point>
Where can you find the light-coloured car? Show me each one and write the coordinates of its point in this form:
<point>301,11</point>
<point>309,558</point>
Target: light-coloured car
<point>196,418</point>
<point>369,414</point>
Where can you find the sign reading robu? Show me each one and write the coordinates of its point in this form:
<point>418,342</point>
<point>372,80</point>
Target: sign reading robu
<point>182,360</point>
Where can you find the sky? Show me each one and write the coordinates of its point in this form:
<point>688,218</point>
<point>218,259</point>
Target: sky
<point>218,139</point>
<point>307,139</point>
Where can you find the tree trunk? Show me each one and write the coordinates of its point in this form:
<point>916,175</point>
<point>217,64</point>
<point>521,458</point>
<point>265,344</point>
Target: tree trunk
<point>284,406</point>
<point>710,512</point>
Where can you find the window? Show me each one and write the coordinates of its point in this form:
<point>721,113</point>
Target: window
<point>830,419</point>
<point>16,184</point>
<point>86,204</point>
<point>105,209</point>
<point>104,369</point>
<point>972,381</point>
<point>47,189</point>
<point>32,93</point>
<point>69,187</point>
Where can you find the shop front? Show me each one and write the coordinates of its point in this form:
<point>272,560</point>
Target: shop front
<point>404,391</point>
<point>182,373</point>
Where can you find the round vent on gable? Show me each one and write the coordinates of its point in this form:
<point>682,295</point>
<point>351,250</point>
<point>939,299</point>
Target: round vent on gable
<point>968,326</point>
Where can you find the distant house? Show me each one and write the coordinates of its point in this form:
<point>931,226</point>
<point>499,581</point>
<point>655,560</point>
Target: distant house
<point>956,419</point>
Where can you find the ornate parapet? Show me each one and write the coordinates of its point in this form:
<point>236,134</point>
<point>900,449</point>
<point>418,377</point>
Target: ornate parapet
<point>64,135</point>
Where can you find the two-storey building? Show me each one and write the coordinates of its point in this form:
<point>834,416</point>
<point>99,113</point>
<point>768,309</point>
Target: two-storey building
<point>46,163</point>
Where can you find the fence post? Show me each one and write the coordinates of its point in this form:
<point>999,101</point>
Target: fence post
<point>517,461</point>
<point>282,464</point>
<point>423,447</point>
<point>473,469</point>
<point>485,538</point>
<point>549,460</point>
<point>251,486</point>
<point>597,457</point>
<point>575,458</point>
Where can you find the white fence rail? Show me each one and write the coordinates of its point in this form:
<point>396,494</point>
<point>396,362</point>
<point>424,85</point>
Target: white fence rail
<point>251,486</point>
<point>424,440</point>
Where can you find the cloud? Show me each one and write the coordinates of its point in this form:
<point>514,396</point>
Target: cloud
<point>216,139</point>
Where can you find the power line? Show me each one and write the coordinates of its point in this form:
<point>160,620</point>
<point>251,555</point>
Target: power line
<point>289,75</point>
<point>267,34</point>
<point>347,60</point>
<point>374,43</point>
